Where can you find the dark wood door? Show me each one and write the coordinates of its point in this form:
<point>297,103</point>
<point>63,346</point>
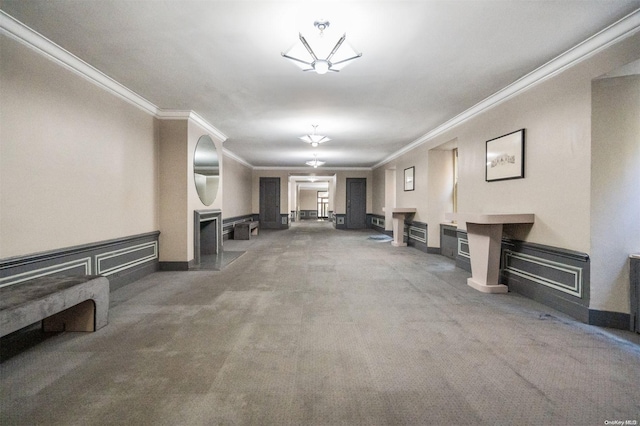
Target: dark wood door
<point>269,203</point>
<point>356,203</point>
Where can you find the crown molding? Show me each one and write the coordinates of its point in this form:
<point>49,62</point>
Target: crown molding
<point>311,169</point>
<point>621,29</point>
<point>47,48</point>
<point>614,33</point>
<point>235,157</point>
<point>36,41</point>
<point>168,114</point>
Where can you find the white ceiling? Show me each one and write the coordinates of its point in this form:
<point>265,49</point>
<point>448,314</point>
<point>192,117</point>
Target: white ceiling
<point>423,62</point>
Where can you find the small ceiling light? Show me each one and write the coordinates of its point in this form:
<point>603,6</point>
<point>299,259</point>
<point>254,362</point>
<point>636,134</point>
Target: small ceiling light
<point>315,163</point>
<point>313,138</point>
<point>326,57</point>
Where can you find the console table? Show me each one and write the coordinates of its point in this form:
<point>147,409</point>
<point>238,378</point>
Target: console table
<point>399,215</point>
<point>485,239</point>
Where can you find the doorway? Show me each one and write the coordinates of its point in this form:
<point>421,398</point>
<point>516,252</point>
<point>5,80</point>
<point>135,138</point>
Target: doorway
<point>269,214</point>
<point>356,203</point>
<point>323,204</point>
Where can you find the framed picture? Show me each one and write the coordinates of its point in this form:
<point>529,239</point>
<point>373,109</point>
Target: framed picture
<point>505,157</point>
<point>409,179</point>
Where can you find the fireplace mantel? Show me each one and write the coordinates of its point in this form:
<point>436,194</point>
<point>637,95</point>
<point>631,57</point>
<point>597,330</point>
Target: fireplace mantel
<point>211,242</point>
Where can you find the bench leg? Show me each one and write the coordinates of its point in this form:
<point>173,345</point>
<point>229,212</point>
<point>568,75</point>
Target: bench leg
<point>77,318</point>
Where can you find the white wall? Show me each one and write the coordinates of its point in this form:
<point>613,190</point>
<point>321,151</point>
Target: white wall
<point>615,189</point>
<point>237,188</point>
<point>440,192</point>
<point>194,132</point>
<point>178,195</point>
<point>77,164</point>
<point>172,184</point>
<point>308,199</point>
<point>556,114</point>
<point>418,198</point>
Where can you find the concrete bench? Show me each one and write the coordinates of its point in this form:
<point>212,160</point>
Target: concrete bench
<point>61,303</point>
<point>244,230</point>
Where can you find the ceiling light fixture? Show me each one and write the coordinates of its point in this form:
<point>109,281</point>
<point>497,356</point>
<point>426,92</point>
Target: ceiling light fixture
<point>313,138</point>
<point>327,58</point>
<point>315,163</point>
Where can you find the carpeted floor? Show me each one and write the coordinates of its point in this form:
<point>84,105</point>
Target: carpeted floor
<point>314,326</point>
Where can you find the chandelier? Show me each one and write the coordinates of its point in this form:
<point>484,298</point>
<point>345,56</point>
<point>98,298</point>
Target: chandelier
<point>313,138</point>
<point>315,163</point>
<point>326,57</point>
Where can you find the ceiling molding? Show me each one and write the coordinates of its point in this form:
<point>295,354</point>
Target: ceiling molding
<point>614,33</point>
<point>36,41</point>
<point>47,48</point>
<point>235,157</point>
<point>167,114</point>
<point>309,169</point>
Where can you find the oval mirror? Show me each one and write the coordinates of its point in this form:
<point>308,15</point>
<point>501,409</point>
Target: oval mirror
<point>206,170</point>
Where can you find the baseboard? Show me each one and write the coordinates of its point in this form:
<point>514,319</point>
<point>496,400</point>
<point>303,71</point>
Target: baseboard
<point>174,266</point>
<point>128,276</point>
<point>608,319</point>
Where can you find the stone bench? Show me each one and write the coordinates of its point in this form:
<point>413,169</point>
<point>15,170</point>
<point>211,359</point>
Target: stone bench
<point>61,303</point>
<point>244,230</point>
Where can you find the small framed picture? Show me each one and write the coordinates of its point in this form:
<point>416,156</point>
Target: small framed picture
<point>409,179</point>
<point>505,157</point>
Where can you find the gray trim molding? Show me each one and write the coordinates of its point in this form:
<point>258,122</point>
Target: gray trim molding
<point>121,260</point>
<point>449,240</point>
<point>634,292</point>
<point>556,277</point>
<point>463,259</point>
<point>377,222</point>
<point>200,217</point>
<point>559,276</point>
<point>608,319</point>
<point>308,214</point>
<point>416,233</point>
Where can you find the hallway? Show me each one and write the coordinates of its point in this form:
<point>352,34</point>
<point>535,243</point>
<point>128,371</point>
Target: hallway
<point>316,326</point>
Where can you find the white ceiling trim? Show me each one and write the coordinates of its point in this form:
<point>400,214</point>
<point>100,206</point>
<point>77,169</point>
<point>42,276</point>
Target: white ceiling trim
<point>240,160</point>
<point>310,169</point>
<point>614,33</point>
<point>36,41</point>
<point>167,114</point>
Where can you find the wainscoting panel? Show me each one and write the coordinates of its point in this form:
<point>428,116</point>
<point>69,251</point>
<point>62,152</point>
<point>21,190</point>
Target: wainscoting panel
<point>377,223</point>
<point>448,241</point>
<point>553,276</point>
<point>308,214</point>
<point>121,260</point>
<point>416,233</point>
<point>463,260</point>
